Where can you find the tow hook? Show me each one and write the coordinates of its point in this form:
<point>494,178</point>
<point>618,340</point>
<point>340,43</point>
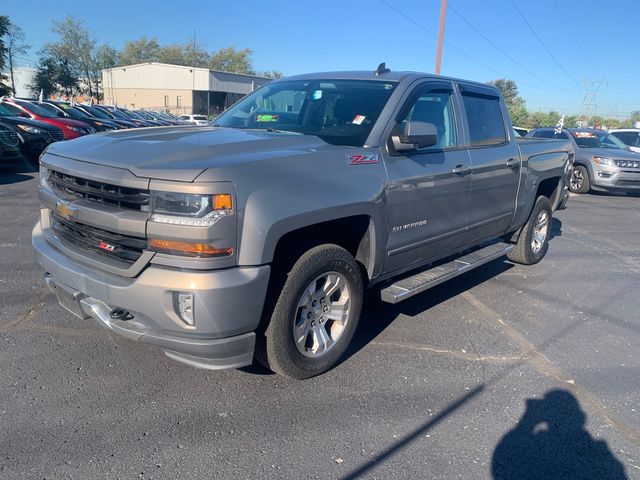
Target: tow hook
<point>120,314</point>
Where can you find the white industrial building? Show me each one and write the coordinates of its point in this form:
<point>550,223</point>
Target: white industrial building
<point>175,88</point>
<point>23,77</point>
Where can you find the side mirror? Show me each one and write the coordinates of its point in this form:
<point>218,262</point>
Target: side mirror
<point>413,134</point>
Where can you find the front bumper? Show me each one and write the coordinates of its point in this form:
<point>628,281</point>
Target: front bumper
<point>616,179</point>
<point>227,305</point>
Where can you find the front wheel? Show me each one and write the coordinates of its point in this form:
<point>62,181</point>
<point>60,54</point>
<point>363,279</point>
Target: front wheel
<point>579,180</point>
<point>533,241</point>
<point>316,314</point>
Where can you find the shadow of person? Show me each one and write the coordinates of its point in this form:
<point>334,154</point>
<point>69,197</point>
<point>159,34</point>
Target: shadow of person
<point>550,441</point>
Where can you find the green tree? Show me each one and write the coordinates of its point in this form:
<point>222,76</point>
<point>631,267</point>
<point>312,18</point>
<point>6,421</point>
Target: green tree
<point>140,51</point>
<point>570,121</point>
<point>54,75</point>
<point>515,103</point>
<point>195,55</point>
<point>271,74</point>
<point>4,28</point>
<point>15,46</point>
<point>106,57</point>
<point>551,119</point>
<point>172,54</point>
<point>76,48</point>
<point>230,59</point>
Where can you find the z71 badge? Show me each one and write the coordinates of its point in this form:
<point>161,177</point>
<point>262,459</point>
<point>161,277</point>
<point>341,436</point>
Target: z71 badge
<point>362,159</point>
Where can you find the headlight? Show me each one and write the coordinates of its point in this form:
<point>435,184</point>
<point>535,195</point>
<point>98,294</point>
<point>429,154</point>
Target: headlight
<point>188,209</point>
<point>44,172</point>
<point>30,129</point>
<point>608,162</point>
<point>76,129</point>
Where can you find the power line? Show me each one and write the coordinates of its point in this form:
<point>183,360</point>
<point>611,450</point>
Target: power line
<point>501,50</point>
<point>575,38</point>
<point>542,43</point>
<point>453,47</point>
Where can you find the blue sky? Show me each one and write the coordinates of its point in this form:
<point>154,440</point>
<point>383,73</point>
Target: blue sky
<point>586,40</point>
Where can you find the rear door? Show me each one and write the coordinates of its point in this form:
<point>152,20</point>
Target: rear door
<point>428,191</point>
<point>495,163</point>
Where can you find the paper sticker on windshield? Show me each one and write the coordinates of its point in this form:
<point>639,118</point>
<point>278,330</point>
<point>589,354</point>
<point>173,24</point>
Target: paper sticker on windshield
<point>266,118</point>
<point>362,159</point>
<point>584,135</point>
<point>316,95</point>
<point>358,119</point>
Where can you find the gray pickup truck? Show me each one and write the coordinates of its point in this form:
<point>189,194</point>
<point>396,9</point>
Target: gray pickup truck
<point>256,237</point>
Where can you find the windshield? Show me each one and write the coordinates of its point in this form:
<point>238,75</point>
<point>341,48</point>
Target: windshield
<point>74,111</point>
<point>340,112</point>
<point>145,115</point>
<point>51,109</point>
<point>39,110</point>
<point>600,139</point>
<point>7,110</point>
<point>118,114</point>
<point>96,112</point>
<point>132,114</point>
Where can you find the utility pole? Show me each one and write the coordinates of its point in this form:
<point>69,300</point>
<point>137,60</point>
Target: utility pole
<point>443,14</point>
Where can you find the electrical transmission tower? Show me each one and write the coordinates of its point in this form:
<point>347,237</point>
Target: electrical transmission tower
<point>589,105</point>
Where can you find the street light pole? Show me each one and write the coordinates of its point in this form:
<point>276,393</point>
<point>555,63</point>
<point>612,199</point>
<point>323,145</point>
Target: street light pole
<point>443,14</point>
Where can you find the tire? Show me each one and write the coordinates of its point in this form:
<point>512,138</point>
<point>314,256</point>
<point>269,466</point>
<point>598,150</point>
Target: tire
<point>533,241</point>
<point>311,326</point>
<point>579,181</point>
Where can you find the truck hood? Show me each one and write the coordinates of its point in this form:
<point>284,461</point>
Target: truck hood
<point>610,153</point>
<point>182,153</point>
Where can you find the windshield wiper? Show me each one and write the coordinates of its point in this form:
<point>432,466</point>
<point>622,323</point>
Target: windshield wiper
<point>276,130</point>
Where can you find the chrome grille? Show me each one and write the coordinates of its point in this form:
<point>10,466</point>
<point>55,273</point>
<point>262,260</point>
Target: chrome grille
<point>96,240</point>
<point>627,163</point>
<point>99,192</point>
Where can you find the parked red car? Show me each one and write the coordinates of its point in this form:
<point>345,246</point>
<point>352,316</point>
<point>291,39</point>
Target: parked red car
<point>70,128</point>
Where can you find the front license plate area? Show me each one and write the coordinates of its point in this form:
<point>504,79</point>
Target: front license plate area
<point>69,299</point>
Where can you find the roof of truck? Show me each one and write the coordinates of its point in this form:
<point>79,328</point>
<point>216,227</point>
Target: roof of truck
<point>391,76</point>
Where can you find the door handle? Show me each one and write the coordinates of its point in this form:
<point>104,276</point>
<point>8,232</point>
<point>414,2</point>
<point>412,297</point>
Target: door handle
<point>513,162</point>
<point>461,169</point>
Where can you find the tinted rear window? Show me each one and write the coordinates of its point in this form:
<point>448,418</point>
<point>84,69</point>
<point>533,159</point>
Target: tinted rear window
<point>199,117</point>
<point>484,117</point>
<point>549,134</point>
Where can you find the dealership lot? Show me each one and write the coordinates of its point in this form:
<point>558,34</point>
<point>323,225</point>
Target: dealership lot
<point>430,389</point>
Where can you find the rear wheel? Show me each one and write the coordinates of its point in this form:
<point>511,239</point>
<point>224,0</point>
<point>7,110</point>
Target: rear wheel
<point>579,181</point>
<point>316,314</point>
<point>533,241</point>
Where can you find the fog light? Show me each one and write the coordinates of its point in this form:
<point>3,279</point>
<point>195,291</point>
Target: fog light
<point>605,174</point>
<point>183,305</point>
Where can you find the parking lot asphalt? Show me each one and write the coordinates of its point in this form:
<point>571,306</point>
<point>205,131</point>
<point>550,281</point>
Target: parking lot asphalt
<point>505,372</point>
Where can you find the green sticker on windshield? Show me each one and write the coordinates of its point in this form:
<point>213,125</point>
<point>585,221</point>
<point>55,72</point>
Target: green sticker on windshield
<point>266,118</point>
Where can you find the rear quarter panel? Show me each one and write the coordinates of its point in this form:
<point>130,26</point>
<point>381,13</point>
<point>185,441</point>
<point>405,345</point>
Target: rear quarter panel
<point>541,159</point>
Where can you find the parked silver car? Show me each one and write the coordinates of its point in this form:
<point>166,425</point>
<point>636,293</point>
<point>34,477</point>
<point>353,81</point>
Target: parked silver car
<point>602,161</point>
<point>195,119</point>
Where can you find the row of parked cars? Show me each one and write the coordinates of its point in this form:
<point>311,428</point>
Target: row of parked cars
<point>604,160</point>
<point>27,126</point>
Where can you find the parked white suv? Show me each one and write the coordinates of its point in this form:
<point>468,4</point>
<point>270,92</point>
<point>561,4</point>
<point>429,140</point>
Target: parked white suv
<point>630,136</point>
<point>195,119</point>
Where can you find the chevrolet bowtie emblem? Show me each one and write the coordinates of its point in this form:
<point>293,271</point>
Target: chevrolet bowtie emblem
<point>66,210</point>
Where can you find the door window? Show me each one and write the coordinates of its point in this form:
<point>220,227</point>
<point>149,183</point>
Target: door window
<point>435,107</point>
<point>485,120</point>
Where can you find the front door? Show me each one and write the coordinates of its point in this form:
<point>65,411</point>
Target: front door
<point>428,189</point>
